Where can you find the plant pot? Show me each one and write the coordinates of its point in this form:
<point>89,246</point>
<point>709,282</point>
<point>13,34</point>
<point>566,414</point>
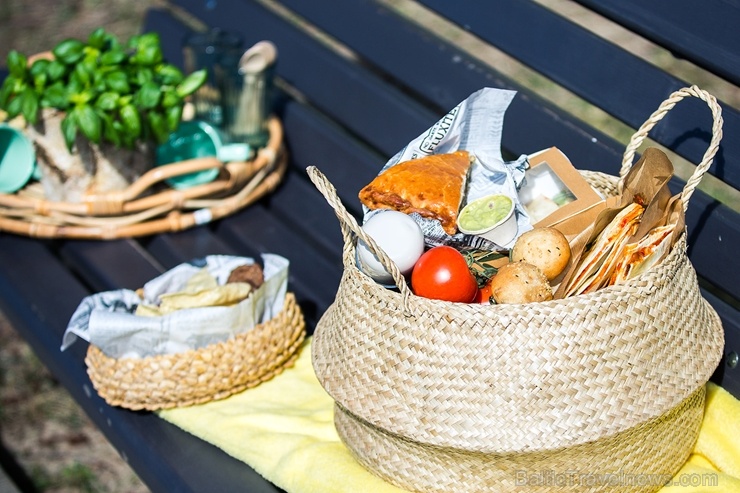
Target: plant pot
<point>90,169</point>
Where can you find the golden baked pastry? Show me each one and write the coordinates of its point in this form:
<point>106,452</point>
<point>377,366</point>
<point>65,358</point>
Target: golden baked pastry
<point>432,186</point>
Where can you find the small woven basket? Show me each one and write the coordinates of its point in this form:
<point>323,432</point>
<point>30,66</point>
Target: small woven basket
<point>146,207</point>
<point>602,391</point>
<point>201,375</point>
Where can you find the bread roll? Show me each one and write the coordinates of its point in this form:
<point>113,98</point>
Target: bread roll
<point>546,248</point>
<point>520,282</point>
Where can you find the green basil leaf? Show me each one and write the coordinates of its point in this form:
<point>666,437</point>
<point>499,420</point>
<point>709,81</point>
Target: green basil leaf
<point>113,44</point>
<point>109,130</point>
<point>14,106</point>
<point>74,86</point>
<point>112,57</point>
<point>56,70</point>
<point>83,73</point>
<point>169,74</point>
<point>55,96</point>
<point>40,80</point>
<point>170,98</point>
<point>148,96</point>
<point>131,120</point>
<point>118,82</point>
<point>98,38</point>
<point>40,66</point>
<point>133,41</point>
<point>119,128</point>
<point>6,90</point>
<point>30,105</point>
<point>107,101</point>
<point>158,124</point>
<point>17,64</point>
<point>174,116</point>
<point>124,137</point>
<point>81,97</point>
<point>191,83</point>
<point>69,51</point>
<point>99,85</point>
<point>148,40</point>
<point>89,122</point>
<point>144,75</point>
<point>148,55</point>
<point>69,130</point>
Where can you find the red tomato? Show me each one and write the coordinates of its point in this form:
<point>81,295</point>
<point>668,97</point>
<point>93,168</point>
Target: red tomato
<point>484,294</point>
<point>442,273</point>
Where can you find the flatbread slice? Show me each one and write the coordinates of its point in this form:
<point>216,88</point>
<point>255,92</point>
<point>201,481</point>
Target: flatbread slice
<point>432,186</point>
<point>597,264</point>
<point>640,256</point>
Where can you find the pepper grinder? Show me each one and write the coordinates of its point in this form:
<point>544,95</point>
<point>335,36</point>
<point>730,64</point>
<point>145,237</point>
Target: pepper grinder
<point>256,67</point>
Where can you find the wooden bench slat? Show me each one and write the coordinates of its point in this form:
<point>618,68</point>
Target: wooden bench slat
<point>726,376</point>
<point>314,141</point>
<point>704,34</point>
<point>312,276</point>
<point>531,124</point>
<point>712,242</point>
<point>32,271</point>
<point>175,248</point>
<point>307,63</point>
<point>300,207</point>
<point>107,265</point>
<point>602,73</point>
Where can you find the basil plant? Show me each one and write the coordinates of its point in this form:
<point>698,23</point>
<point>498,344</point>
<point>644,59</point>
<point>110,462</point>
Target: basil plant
<point>110,92</point>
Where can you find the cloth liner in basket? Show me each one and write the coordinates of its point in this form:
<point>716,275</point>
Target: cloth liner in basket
<point>595,392</point>
<point>191,355</point>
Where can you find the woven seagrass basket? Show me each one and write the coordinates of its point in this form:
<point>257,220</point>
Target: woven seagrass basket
<point>197,376</point>
<point>147,207</point>
<point>596,392</point>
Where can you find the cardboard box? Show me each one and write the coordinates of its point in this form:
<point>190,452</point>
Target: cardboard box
<point>553,190</point>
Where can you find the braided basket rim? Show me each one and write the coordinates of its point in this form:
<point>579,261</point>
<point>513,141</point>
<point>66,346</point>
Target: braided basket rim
<point>201,375</point>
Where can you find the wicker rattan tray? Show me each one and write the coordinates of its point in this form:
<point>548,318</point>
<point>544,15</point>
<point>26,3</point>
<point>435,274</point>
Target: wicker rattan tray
<point>148,206</point>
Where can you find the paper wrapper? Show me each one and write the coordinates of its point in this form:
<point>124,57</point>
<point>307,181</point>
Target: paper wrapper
<point>475,125</point>
<point>109,320</point>
<point>645,184</point>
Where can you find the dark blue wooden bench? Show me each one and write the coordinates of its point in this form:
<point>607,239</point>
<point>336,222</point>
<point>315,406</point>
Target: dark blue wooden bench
<point>347,114</point>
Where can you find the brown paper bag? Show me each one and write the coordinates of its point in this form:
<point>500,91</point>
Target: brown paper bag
<point>646,184</point>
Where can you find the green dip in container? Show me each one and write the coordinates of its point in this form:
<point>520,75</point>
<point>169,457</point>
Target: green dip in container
<point>485,212</point>
<point>491,217</point>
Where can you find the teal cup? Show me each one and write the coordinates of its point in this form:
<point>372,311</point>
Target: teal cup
<point>196,139</point>
<point>17,159</point>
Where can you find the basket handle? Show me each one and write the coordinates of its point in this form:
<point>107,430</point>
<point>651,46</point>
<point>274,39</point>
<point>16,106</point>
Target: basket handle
<point>639,136</point>
<point>350,227</point>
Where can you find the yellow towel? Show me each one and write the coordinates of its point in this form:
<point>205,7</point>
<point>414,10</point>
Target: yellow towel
<point>284,430</point>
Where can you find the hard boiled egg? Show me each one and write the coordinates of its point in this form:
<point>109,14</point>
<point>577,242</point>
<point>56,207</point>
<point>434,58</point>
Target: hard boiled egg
<point>400,238</point>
